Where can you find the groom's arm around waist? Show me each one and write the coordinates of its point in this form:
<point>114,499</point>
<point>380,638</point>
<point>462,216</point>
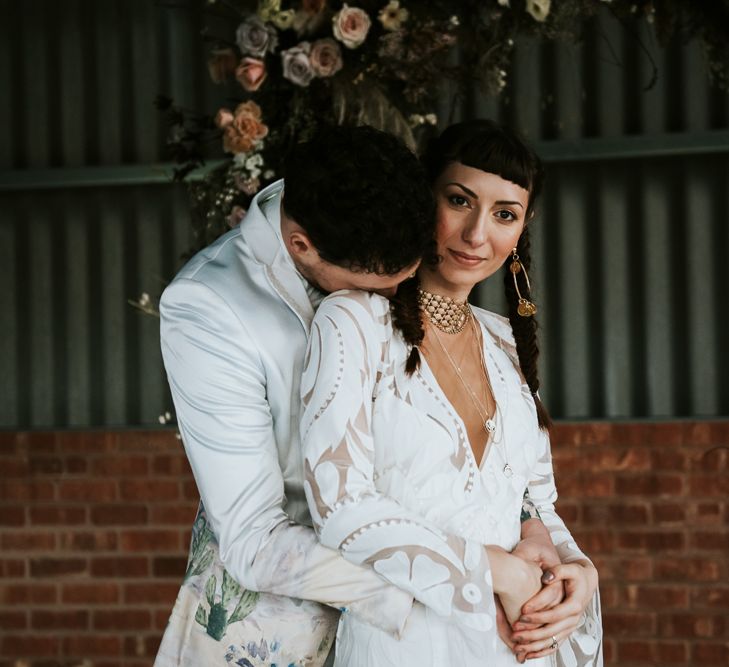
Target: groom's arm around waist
<point>219,389</point>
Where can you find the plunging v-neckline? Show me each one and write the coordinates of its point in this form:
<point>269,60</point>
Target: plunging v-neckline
<point>497,394</point>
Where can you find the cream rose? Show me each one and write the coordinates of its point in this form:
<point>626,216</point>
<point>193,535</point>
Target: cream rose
<point>251,73</point>
<point>325,57</point>
<point>246,130</point>
<point>350,26</point>
<point>296,65</point>
<point>255,38</point>
<point>539,9</point>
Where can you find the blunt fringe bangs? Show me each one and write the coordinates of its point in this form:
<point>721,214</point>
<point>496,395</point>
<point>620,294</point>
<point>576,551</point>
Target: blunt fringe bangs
<point>485,145</point>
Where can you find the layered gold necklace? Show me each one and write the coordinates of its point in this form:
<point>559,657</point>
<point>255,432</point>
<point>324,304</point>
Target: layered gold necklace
<point>447,314</point>
<point>450,317</point>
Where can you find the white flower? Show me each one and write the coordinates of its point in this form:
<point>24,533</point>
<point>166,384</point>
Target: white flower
<point>539,9</point>
<point>431,119</point>
<point>392,16</point>
<point>254,161</point>
<point>504,3</point>
<point>454,21</point>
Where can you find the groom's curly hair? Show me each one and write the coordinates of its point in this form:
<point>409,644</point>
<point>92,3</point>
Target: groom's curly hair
<point>363,198</point>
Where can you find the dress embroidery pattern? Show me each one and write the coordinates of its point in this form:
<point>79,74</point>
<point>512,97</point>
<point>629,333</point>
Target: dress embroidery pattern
<point>392,484</point>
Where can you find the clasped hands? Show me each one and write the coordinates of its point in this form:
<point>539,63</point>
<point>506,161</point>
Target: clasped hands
<point>547,601</point>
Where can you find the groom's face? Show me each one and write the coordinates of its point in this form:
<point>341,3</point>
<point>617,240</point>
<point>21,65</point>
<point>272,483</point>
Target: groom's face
<point>329,278</point>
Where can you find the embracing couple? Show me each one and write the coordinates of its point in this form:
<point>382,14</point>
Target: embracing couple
<point>371,451</point>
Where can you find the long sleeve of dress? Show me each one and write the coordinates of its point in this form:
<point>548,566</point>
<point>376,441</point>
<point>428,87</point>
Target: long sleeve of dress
<point>584,646</point>
<point>446,573</point>
<point>219,390</point>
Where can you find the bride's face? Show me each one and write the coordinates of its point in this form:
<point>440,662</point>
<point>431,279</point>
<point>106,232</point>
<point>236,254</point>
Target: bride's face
<point>480,217</point>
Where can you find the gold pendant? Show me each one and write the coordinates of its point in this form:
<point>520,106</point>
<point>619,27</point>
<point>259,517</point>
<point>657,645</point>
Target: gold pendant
<point>526,308</point>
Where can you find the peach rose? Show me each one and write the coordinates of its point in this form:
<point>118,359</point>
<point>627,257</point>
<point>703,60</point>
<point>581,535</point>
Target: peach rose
<point>325,57</point>
<point>221,64</point>
<point>251,73</point>
<point>350,26</point>
<point>246,130</point>
<point>223,118</point>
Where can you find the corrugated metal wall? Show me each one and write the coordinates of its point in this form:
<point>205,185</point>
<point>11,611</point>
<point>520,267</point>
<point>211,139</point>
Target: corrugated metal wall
<point>629,247</point>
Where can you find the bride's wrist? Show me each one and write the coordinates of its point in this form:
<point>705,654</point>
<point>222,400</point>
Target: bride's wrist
<point>498,561</point>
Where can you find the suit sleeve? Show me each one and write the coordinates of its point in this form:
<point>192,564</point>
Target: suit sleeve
<point>219,390</point>
<point>444,572</point>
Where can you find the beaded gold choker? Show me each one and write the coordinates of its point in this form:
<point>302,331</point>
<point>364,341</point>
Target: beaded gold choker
<point>446,314</point>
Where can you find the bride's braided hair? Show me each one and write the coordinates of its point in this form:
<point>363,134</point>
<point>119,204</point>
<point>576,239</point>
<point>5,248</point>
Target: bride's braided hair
<point>495,149</point>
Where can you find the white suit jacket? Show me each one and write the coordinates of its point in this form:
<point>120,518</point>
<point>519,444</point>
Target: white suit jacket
<point>234,327</point>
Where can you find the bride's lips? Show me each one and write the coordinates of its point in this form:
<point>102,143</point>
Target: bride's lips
<point>465,259</point>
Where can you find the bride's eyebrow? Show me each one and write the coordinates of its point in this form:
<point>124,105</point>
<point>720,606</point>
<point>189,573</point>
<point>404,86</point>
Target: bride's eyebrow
<point>506,202</point>
<point>470,193</point>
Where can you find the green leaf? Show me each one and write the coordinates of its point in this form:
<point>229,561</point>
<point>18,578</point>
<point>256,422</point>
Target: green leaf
<point>201,616</point>
<point>203,563</point>
<point>230,588</point>
<point>245,606</point>
<point>210,590</point>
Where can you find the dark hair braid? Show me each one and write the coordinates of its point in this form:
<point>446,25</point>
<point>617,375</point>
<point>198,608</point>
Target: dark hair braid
<point>525,328</point>
<point>408,319</point>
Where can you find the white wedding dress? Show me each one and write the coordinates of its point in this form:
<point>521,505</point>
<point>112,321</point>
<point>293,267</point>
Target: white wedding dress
<point>392,482</point>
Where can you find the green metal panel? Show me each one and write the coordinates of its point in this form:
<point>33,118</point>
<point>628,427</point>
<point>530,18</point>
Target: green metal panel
<point>629,246</point>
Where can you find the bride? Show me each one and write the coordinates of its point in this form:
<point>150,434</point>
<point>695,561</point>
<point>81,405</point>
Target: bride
<point>423,430</point>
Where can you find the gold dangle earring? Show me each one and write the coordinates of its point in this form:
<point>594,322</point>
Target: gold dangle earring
<point>525,308</point>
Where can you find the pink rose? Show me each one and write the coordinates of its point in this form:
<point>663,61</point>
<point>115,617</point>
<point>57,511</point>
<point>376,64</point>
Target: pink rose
<point>223,118</point>
<point>350,26</point>
<point>296,65</point>
<point>325,57</point>
<point>251,73</point>
<point>246,130</point>
<point>221,64</point>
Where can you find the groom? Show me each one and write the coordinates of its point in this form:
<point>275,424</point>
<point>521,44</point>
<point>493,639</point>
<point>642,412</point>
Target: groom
<point>356,212</point>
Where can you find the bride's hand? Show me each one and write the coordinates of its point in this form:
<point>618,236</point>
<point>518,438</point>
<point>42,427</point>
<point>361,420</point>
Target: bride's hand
<point>515,581</point>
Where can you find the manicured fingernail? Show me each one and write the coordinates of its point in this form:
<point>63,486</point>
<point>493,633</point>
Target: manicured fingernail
<point>547,577</point>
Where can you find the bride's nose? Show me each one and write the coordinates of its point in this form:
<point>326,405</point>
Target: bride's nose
<point>475,233</point>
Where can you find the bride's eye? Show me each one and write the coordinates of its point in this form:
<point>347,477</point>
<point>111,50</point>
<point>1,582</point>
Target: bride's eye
<point>458,200</point>
<point>505,215</point>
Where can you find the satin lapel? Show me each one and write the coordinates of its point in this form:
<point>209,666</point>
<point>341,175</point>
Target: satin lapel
<point>259,228</point>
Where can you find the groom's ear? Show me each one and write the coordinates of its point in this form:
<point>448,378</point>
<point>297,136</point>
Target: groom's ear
<point>299,243</point>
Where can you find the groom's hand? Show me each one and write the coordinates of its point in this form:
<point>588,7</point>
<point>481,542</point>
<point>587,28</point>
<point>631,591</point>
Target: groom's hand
<point>536,546</point>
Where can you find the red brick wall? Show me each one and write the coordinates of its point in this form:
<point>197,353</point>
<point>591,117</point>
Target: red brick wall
<point>94,530</point>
